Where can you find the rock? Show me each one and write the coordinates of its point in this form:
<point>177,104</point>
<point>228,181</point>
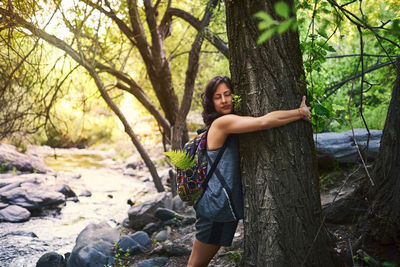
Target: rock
<point>175,249</point>
<point>8,184</point>
<point>51,259</point>
<point>152,228</point>
<point>162,236</point>
<point>142,238</point>
<point>142,214</point>
<point>27,163</point>
<point>33,197</point>
<point>125,223</point>
<point>131,163</point>
<point>154,262</point>
<point>340,147</point>
<point>94,245</point>
<point>67,175</point>
<point>178,204</point>
<point>128,244</point>
<point>3,205</point>
<point>14,213</point>
<point>145,179</point>
<point>22,233</point>
<point>129,172</point>
<point>188,221</point>
<point>166,214</point>
<point>64,189</point>
<point>85,193</point>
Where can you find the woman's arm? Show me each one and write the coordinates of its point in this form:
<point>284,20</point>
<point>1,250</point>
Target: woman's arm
<point>231,123</point>
<point>240,124</point>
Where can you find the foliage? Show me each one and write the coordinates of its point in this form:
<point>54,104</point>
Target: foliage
<point>235,256</point>
<point>331,48</point>
<point>236,101</point>
<point>180,159</point>
<point>4,167</point>
<point>269,26</point>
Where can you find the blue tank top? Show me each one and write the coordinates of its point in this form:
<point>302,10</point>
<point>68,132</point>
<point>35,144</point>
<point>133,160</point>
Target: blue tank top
<point>215,203</point>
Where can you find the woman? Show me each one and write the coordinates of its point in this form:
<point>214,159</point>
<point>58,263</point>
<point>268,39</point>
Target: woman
<point>220,208</point>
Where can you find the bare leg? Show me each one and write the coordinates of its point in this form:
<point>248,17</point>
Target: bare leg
<point>202,254</point>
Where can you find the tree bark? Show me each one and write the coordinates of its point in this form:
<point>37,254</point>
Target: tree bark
<point>282,209</point>
<point>382,225</point>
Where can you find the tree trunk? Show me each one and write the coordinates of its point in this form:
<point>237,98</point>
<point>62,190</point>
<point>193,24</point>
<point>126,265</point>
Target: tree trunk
<point>383,221</point>
<point>282,208</point>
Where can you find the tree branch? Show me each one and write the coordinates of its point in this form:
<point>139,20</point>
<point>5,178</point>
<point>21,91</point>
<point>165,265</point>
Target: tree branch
<point>208,35</point>
<point>135,88</point>
<point>332,89</point>
<point>121,25</point>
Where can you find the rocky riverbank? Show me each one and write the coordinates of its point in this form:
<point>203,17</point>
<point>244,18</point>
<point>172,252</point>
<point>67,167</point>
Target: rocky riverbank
<point>158,230</point>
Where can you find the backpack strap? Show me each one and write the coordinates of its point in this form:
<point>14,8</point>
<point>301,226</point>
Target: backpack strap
<point>218,174</point>
<point>215,163</point>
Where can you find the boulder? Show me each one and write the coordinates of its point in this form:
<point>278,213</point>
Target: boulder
<point>128,244</point>
<point>142,238</point>
<point>188,221</point>
<point>178,204</point>
<point>142,214</point>
<point>14,213</point>
<point>341,147</point>
<point>175,249</point>
<point>166,214</point>
<point>85,193</point>
<point>162,236</point>
<point>152,228</point>
<point>32,197</point>
<point>154,262</point>
<point>10,157</point>
<point>64,189</point>
<point>51,259</point>
<point>22,233</point>
<point>94,246</point>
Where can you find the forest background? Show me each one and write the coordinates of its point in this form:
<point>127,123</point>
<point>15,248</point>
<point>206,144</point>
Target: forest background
<point>49,99</point>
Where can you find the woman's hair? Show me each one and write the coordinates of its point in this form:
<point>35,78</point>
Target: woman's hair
<point>209,113</point>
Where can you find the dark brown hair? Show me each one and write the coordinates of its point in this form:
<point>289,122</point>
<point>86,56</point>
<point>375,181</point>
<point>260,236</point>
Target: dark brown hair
<point>209,113</point>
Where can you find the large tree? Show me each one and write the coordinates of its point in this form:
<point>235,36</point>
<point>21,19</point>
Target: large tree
<point>381,225</point>
<point>282,211</point>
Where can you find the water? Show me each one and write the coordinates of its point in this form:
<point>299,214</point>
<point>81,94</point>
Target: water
<point>58,230</point>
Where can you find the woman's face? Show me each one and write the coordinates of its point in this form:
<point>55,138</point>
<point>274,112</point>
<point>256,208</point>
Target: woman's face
<point>222,99</point>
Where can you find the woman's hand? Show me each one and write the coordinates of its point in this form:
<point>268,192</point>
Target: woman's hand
<point>304,111</point>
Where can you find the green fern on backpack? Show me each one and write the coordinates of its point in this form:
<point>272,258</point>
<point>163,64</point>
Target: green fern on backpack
<point>180,159</point>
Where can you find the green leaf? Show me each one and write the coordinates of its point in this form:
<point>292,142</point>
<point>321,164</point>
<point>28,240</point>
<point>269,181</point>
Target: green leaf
<point>323,33</point>
<point>329,48</point>
<point>321,110</point>
<point>266,23</point>
<point>265,36</point>
<point>282,9</point>
<point>284,25</point>
<point>180,159</point>
<point>295,26</point>
<point>262,15</point>
<point>341,121</point>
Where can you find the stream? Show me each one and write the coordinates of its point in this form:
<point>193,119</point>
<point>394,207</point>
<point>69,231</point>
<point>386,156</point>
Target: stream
<point>22,244</point>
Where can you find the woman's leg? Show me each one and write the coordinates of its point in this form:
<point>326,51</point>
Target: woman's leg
<point>202,254</point>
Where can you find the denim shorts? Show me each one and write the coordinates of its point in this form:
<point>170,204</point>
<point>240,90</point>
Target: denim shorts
<point>215,233</point>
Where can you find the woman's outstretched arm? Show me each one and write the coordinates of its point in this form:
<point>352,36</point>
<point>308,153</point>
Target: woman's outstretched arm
<point>231,123</point>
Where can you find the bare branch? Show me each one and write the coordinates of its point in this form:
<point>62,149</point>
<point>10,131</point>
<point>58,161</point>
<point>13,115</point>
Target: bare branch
<point>209,35</point>
<point>332,89</point>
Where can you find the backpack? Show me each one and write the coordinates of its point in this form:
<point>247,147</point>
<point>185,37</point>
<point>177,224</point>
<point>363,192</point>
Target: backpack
<point>192,182</point>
